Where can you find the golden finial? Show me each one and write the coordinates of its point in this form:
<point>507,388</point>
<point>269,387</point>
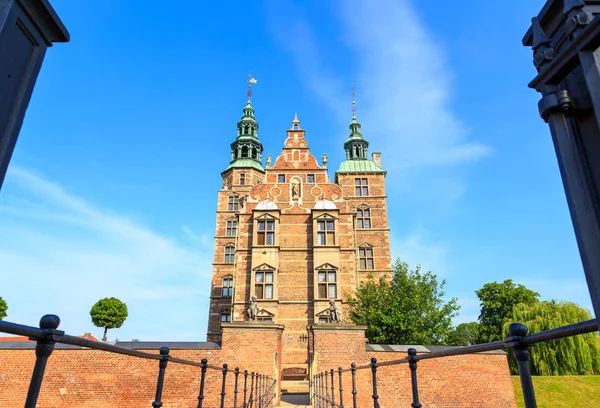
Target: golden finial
<point>251,81</point>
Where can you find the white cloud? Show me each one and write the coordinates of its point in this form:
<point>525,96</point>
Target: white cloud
<point>402,80</point>
<point>60,254</point>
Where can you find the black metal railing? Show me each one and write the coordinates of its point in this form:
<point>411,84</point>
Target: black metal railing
<point>327,392</point>
<point>258,389</point>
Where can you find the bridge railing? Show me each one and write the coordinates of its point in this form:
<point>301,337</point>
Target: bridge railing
<point>328,389</point>
<point>250,389</point>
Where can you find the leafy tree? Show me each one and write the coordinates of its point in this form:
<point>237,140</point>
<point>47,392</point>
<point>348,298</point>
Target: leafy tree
<point>3,308</point>
<point>575,355</point>
<point>497,301</point>
<point>109,313</point>
<point>464,334</point>
<point>409,309</point>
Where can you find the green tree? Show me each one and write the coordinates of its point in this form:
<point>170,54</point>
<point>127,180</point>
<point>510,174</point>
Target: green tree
<point>3,308</point>
<point>409,309</point>
<point>464,334</point>
<point>109,313</point>
<point>497,301</point>
<point>575,355</point>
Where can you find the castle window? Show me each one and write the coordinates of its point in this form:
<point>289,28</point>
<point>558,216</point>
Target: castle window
<point>265,232</point>
<point>227,286</point>
<point>327,284</point>
<point>263,286</point>
<point>229,253</point>
<point>361,186</point>
<point>231,230</point>
<point>264,319</point>
<point>365,256</point>
<point>310,178</point>
<point>234,202</point>
<point>281,178</point>
<point>363,217</point>
<point>225,317</point>
<point>242,178</point>
<point>326,232</point>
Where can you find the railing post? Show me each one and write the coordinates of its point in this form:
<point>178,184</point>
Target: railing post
<point>332,390</point>
<point>341,388</point>
<point>321,392</point>
<point>521,353</point>
<point>162,366</point>
<point>353,370</point>
<point>412,363</point>
<point>245,388</point>
<point>202,381</point>
<point>315,391</point>
<point>259,393</point>
<point>235,387</point>
<point>223,385</point>
<point>43,350</point>
<point>374,372</point>
<point>251,398</point>
<point>326,388</point>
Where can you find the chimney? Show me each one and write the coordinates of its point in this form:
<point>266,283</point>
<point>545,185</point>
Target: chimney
<point>377,158</point>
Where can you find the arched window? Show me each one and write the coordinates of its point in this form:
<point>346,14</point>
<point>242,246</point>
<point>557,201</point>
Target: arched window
<point>233,203</point>
<point>363,217</point>
<point>244,151</point>
<point>227,288</point>
<point>229,253</point>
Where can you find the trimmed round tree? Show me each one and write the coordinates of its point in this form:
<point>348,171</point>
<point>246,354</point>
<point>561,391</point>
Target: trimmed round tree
<point>109,313</point>
<point>3,308</point>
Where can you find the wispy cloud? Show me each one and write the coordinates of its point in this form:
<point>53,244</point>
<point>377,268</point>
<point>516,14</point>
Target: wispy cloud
<point>403,81</point>
<point>60,254</point>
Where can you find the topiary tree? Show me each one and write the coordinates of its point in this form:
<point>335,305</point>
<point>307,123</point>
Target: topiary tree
<point>3,308</point>
<point>109,313</point>
<point>575,355</point>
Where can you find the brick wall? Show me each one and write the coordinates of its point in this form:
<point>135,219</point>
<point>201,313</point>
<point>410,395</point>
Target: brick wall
<point>85,378</point>
<point>478,380</point>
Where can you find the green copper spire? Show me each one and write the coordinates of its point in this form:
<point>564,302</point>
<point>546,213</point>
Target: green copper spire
<point>356,146</point>
<point>246,150</point>
<point>357,149</point>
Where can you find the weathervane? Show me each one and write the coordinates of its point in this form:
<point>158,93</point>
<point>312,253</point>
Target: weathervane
<point>353,103</point>
<point>251,80</point>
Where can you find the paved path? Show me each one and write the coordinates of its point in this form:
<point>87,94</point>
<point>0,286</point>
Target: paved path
<point>295,400</point>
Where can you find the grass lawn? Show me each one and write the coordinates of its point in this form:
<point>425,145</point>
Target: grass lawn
<point>562,391</point>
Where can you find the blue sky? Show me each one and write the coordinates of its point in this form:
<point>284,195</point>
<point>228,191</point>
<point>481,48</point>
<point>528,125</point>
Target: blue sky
<point>112,186</point>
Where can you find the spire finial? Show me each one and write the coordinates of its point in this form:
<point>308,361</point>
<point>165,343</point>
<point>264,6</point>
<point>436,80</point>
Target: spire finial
<point>251,81</point>
<point>353,103</point>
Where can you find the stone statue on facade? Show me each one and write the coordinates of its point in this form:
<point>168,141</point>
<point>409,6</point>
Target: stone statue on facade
<point>295,190</point>
<point>252,311</point>
<point>334,314</point>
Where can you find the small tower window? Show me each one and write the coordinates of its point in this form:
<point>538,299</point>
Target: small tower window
<point>231,230</point>
<point>295,126</point>
<point>227,289</point>
<point>310,178</point>
<point>229,254</point>
<point>233,203</point>
<point>361,187</point>
<point>363,217</point>
<point>365,255</point>
<point>242,178</point>
<point>281,178</point>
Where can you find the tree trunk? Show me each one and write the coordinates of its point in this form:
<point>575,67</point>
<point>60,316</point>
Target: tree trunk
<point>105,330</point>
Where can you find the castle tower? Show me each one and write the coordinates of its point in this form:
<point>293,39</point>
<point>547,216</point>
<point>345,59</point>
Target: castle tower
<point>294,238</point>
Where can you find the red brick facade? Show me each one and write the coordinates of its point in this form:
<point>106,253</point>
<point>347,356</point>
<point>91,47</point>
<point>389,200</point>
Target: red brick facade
<point>90,379</point>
